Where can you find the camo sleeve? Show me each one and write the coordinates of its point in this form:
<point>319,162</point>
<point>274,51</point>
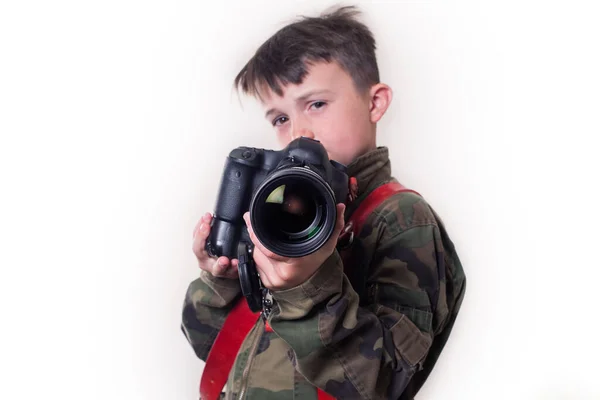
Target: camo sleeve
<point>369,351</point>
<point>207,302</point>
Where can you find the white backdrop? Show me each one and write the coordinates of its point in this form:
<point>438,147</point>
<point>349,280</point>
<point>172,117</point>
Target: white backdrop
<point>116,116</point>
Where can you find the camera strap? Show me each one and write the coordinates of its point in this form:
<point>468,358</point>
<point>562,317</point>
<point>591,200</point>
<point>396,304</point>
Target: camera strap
<point>241,319</point>
<point>366,207</point>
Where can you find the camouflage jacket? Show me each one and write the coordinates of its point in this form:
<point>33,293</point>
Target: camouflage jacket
<point>372,332</point>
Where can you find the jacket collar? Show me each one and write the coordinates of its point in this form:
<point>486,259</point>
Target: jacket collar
<point>371,170</point>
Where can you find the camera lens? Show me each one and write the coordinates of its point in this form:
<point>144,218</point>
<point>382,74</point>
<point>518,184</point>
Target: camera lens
<point>293,212</point>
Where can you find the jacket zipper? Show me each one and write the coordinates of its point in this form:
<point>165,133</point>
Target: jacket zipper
<point>244,381</point>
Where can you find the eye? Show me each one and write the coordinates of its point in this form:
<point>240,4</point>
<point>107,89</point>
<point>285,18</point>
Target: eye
<point>279,121</point>
<point>318,104</point>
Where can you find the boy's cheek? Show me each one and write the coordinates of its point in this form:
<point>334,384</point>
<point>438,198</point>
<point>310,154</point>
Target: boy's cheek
<point>283,139</point>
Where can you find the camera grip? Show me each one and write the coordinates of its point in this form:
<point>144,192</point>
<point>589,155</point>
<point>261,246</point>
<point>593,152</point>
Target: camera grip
<point>233,200</point>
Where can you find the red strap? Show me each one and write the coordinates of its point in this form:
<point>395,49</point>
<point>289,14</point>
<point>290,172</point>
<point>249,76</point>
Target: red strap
<point>321,395</point>
<point>372,201</point>
<point>226,346</point>
<point>241,320</point>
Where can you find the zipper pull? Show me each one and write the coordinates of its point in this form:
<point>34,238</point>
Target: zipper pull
<point>267,302</point>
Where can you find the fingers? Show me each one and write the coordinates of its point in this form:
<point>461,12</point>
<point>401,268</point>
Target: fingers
<point>264,267</point>
<point>340,223</point>
<point>223,268</point>
<point>201,232</point>
<point>268,271</point>
<point>339,226</point>
<point>205,219</point>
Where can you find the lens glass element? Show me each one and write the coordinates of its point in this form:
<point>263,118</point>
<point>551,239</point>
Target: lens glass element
<point>290,211</point>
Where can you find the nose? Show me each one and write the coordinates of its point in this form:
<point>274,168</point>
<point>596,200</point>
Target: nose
<point>296,133</point>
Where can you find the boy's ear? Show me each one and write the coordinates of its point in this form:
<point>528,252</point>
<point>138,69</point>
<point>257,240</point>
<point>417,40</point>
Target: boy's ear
<point>381,97</point>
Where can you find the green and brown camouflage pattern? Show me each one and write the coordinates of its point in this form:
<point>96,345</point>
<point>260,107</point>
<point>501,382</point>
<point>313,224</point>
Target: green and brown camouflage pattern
<point>371,329</point>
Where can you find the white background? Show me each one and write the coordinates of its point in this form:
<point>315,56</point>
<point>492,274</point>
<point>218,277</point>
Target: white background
<point>116,116</point>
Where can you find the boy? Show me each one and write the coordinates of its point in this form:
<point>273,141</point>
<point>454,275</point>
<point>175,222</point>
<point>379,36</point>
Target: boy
<point>370,329</point>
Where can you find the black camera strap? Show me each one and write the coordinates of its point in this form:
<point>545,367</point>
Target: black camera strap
<point>249,279</point>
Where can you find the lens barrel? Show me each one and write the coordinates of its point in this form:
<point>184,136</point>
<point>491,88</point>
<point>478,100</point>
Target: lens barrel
<point>293,212</point>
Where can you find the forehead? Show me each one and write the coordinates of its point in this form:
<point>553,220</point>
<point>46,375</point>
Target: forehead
<point>320,76</point>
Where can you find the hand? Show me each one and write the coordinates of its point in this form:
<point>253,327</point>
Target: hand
<point>221,267</point>
<point>278,272</point>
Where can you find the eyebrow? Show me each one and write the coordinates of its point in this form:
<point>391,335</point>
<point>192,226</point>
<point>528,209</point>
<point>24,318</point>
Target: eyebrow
<point>302,99</point>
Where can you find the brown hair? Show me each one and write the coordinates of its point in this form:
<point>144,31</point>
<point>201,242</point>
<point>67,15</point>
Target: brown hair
<point>334,36</point>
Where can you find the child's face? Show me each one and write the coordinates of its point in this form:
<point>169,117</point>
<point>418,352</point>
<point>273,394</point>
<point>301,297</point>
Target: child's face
<point>327,107</point>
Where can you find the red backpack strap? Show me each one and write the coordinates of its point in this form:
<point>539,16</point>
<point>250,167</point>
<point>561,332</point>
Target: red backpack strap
<point>370,203</point>
<point>219,362</point>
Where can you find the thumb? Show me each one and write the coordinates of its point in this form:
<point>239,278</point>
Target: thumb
<point>339,226</point>
<point>341,208</point>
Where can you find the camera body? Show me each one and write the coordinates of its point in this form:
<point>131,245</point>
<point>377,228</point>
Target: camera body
<point>265,182</point>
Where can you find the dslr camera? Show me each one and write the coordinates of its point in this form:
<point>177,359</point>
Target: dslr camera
<point>291,195</point>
